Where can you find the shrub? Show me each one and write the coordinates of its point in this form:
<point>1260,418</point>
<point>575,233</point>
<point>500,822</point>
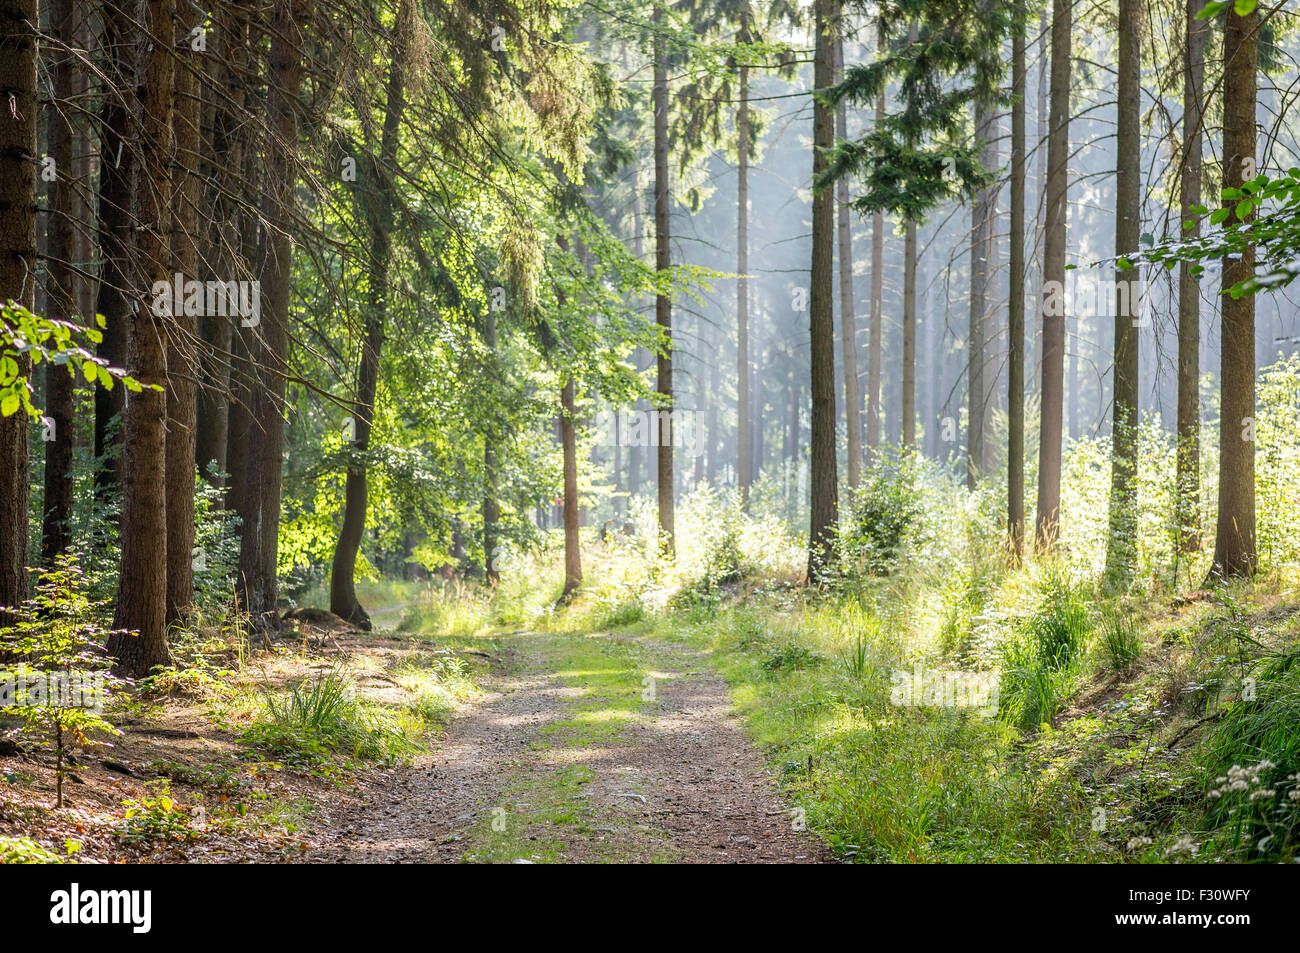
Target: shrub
<point>1122,642</point>
<point>884,518</point>
<point>317,717</point>
<point>61,680</point>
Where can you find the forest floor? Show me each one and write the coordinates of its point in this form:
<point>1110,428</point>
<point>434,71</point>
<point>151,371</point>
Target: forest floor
<point>568,748</point>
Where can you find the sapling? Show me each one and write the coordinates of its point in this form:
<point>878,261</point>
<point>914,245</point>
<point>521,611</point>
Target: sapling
<point>58,679</point>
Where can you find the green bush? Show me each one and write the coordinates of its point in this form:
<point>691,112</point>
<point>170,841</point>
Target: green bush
<point>316,718</point>
<point>1253,762</point>
<point>884,519</point>
<point>1040,662</point>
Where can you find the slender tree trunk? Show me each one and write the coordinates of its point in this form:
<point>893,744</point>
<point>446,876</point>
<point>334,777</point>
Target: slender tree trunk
<point>823,479</point>
<point>744,425</point>
<point>875,346</point>
<point>116,165</point>
<point>227,150</point>
<point>1189,292</point>
<point>142,582</point>
<point>1016,302</point>
<point>663,261</point>
<point>1234,537</point>
<point>378,211</point>
<point>1122,539</point>
<point>1040,214</point>
<point>634,454</point>
<point>65,284</point>
<point>182,358</point>
<point>908,430</point>
<point>572,541</point>
<point>975,397</point>
<point>491,505</point>
<point>1058,148</point>
<point>19,20</point>
<point>257,585</point>
<point>848,311</point>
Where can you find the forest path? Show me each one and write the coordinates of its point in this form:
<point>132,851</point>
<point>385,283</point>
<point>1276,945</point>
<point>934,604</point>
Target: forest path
<point>583,748</point>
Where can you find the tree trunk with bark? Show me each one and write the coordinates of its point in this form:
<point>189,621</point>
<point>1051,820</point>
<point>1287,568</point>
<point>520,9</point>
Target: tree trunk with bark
<point>65,284</point>
<point>1016,302</point>
<point>823,479</point>
<point>19,21</point>
<point>182,357</point>
<point>116,171</point>
<point>1234,536</point>
<point>875,345</point>
<point>744,424</point>
<point>848,311</point>
<point>1122,538</point>
<point>377,208</point>
<point>257,585</point>
<point>663,303</point>
<point>1189,293</point>
<point>141,606</point>
<point>572,541</point>
<point>1053,363</point>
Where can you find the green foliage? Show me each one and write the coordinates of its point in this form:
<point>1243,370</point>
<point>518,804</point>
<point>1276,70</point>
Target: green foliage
<point>1122,642</point>
<point>27,340</point>
<point>60,681</point>
<point>1040,662</point>
<point>318,717</point>
<point>884,519</point>
<point>791,658</point>
<point>155,818</point>
<point>1253,763</point>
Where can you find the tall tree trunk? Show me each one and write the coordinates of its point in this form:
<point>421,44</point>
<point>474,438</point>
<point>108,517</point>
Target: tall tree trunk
<point>875,345</point>
<point>65,283</point>
<point>572,542</point>
<point>378,211</point>
<point>744,424</point>
<point>182,358</point>
<point>975,396</point>
<point>142,582</point>
<point>908,429</point>
<point>116,164</point>
<point>634,454</point>
<point>848,311</point>
<point>1234,537</point>
<point>1058,149</point>
<point>19,21</point>
<point>663,261</point>
<point>257,585</point>
<point>1189,292</point>
<point>1016,300</point>
<point>228,145</point>
<point>1122,539</point>
<point>823,479</point>
<point>1040,214</point>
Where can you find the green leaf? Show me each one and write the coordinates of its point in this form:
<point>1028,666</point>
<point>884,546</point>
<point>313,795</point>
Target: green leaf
<point>1244,209</point>
<point>1244,8</point>
<point>9,403</point>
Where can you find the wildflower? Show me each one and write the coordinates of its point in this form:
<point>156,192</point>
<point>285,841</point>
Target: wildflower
<point>1185,844</point>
